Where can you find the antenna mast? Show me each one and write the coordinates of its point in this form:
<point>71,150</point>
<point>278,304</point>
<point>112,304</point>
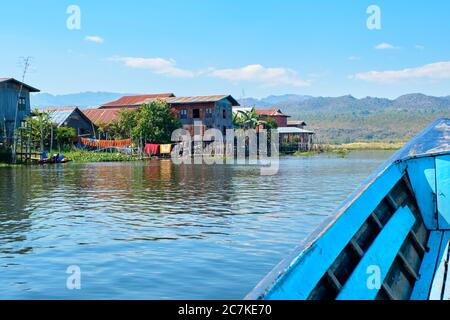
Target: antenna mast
<point>26,65</point>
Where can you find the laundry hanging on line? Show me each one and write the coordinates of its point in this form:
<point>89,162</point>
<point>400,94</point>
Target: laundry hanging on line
<point>165,148</point>
<point>106,143</point>
<point>151,149</point>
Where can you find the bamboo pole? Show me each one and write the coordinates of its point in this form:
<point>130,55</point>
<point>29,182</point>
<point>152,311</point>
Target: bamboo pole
<point>51,142</point>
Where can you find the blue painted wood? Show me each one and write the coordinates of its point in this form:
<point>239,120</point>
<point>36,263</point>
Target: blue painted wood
<point>422,175</point>
<point>422,287</point>
<point>438,280</point>
<point>305,272</point>
<point>443,191</point>
<point>381,254</point>
<point>446,294</point>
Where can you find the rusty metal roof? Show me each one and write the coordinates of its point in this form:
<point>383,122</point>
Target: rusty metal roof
<point>30,88</point>
<point>102,115</point>
<point>201,99</point>
<point>271,112</point>
<point>296,123</point>
<point>137,100</point>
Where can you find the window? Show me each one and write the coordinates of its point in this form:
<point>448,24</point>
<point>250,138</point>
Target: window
<point>183,114</point>
<point>224,113</point>
<point>208,113</point>
<point>22,104</point>
<point>196,113</point>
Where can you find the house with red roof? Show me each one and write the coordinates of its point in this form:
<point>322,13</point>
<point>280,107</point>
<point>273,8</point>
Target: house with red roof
<point>215,111</point>
<point>135,101</point>
<point>293,135</point>
<point>276,114</point>
<point>211,111</point>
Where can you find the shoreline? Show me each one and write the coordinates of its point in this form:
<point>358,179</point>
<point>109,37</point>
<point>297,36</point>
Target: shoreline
<point>82,156</point>
<point>344,149</point>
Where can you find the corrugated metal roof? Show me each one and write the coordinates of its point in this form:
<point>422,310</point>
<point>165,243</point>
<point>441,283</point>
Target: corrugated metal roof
<point>243,109</point>
<point>30,88</point>
<point>57,109</point>
<point>271,112</point>
<point>58,117</point>
<point>136,100</point>
<point>201,99</point>
<point>296,123</point>
<point>293,130</point>
<point>102,115</point>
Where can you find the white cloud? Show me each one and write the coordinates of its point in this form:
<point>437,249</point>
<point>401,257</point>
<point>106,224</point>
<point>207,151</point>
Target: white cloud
<point>254,73</point>
<point>433,71</point>
<point>419,46</point>
<point>95,39</point>
<point>260,74</point>
<point>162,66</point>
<point>385,46</point>
<point>354,58</point>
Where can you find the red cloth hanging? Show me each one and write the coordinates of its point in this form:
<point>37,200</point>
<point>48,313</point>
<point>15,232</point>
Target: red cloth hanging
<point>151,149</point>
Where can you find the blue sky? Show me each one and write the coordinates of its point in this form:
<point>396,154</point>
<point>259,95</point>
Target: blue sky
<point>255,48</point>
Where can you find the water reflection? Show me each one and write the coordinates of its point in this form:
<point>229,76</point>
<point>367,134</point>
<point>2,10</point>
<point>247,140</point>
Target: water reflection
<point>155,230</point>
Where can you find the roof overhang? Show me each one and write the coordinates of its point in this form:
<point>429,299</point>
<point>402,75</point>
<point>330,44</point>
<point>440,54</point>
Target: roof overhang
<point>29,88</point>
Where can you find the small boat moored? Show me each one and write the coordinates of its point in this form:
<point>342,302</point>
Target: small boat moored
<point>56,158</point>
<point>388,241</point>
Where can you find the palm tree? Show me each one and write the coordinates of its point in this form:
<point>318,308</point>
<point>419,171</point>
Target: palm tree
<point>251,119</point>
<point>41,124</point>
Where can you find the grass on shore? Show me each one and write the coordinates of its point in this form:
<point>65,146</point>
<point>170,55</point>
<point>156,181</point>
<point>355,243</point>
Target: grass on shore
<point>340,150</point>
<point>358,146</point>
<point>90,156</point>
<point>344,149</point>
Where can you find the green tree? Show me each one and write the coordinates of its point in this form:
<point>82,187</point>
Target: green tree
<point>126,123</point>
<point>42,126</point>
<point>64,137</point>
<point>270,124</point>
<point>251,119</point>
<point>238,119</point>
<point>155,122</point>
<point>102,128</point>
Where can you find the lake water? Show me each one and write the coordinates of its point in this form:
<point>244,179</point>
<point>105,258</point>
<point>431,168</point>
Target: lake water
<point>153,230</point>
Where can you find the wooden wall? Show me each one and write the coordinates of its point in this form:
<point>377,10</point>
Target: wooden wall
<point>8,103</point>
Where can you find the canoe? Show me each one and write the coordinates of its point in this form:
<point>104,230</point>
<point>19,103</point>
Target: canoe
<point>388,241</point>
<point>59,158</point>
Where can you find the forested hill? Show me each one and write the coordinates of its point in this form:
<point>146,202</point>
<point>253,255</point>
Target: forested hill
<point>348,119</point>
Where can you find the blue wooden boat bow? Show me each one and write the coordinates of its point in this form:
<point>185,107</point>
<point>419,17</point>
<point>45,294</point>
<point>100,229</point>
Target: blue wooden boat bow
<point>389,240</point>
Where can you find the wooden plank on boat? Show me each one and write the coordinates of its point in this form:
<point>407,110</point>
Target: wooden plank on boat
<point>437,286</point>
<point>382,254</point>
<point>443,191</point>
<point>307,270</point>
<point>422,287</point>
<point>422,175</point>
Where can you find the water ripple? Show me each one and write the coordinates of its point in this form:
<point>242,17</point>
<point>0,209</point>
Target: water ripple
<point>159,231</point>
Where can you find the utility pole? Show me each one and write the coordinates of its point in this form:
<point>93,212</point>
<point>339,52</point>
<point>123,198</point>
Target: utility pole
<point>26,65</point>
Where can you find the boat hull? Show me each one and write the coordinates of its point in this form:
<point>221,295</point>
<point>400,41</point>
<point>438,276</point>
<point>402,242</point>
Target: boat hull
<point>385,241</point>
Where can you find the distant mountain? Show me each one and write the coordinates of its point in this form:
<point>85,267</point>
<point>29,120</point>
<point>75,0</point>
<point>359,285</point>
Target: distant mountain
<point>348,119</point>
<point>274,100</point>
<point>83,99</point>
<point>295,105</point>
